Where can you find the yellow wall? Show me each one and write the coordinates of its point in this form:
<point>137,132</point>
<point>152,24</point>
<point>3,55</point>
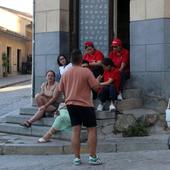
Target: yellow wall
<point>13,22</point>
<point>14,44</point>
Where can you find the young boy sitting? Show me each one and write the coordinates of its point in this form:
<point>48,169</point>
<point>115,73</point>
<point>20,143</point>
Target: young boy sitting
<point>110,85</point>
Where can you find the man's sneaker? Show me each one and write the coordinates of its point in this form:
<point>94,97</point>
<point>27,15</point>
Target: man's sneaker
<point>112,108</point>
<point>94,160</point>
<point>119,97</point>
<point>100,107</point>
<point>76,161</point>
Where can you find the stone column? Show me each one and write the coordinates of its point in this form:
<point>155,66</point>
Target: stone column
<point>150,46</point>
<point>51,37</point>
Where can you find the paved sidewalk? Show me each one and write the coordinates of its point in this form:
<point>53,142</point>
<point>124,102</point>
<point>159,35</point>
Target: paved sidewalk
<point>143,160</point>
<point>14,79</point>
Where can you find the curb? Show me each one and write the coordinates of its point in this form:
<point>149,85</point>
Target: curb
<point>11,84</point>
<point>53,148</point>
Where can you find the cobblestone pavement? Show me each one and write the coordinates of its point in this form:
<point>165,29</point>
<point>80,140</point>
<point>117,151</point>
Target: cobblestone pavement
<point>14,97</point>
<point>143,160</point>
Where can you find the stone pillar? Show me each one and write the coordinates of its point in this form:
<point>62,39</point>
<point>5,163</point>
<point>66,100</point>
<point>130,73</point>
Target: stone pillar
<point>51,37</point>
<point>150,46</point>
<point>94,23</point>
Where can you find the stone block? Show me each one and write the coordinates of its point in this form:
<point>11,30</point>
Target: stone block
<point>49,41</point>
<point>130,103</point>
<point>14,129</point>
<point>43,5</point>
<point>132,93</point>
<point>138,58</point>
<point>166,8</point>
<point>155,58</point>
<point>155,9</point>
<point>28,110</point>
<point>105,122</point>
<point>130,147</point>
<point>40,65</point>
<point>53,21</point>
<point>137,10</point>
<point>105,115</point>
<point>108,129</point>
<point>124,121</point>
<point>34,149</point>
<point>41,22</point>
<point>138,32</point>
<point>106,147</point>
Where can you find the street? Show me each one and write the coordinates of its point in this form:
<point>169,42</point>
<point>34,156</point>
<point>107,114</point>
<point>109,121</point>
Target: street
<point>143,160</point>
<point>14,97</point>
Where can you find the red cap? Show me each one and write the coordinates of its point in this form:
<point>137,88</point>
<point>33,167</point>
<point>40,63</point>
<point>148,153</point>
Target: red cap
<point>88,43</point>
<point>116,42</point>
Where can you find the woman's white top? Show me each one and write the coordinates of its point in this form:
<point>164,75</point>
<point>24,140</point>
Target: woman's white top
<point>63,69</point>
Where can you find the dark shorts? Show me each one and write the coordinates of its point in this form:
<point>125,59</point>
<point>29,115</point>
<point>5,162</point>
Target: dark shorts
<point>80,115</point>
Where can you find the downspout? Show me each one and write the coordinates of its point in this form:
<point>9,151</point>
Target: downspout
<point>33,52</point>
<point>115,18</point>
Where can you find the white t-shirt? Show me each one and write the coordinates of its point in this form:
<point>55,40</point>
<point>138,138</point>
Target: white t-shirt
<point>63,69</point>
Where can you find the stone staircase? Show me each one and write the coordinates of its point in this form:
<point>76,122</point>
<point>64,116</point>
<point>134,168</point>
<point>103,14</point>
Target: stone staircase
<point>129,110</point>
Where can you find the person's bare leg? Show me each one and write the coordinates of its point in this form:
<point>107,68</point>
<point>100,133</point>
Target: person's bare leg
<point>92,141</point>
<point>40,113</point>
<point>40,100</point>
<point>49,134</point>
<point>75,140</point>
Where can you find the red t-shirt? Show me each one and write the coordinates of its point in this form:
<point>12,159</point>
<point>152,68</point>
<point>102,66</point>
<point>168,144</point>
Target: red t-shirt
<point>120,57</point>
<point>96,56</point>
<point>113,74</point>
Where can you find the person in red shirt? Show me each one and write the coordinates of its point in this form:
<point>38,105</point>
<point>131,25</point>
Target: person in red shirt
<point>110,85</point>
<point>120,58</point>
<point>94,57</point>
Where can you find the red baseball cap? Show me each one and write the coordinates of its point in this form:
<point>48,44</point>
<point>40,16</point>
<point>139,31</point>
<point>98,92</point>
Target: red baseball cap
<point>116,42</point>
<point>88,44</point>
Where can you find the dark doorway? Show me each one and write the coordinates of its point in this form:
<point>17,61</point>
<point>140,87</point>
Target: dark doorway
<point>119,16</point>
<point>18,59</point>
<point>9,59</point>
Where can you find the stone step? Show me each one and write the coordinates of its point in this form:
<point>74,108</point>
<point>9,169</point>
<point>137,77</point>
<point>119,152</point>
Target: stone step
<point>130,103</point>
<point>37,131</point>
<point>105,115</point>
<point>28,110</point>
<point>102,120</point>
<point>132,93</point>
<point>17,119</point>
<point>24,145</point>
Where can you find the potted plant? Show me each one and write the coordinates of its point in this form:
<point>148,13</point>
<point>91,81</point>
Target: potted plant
<point>5,64</point>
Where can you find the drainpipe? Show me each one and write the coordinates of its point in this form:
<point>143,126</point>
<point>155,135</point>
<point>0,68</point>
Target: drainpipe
<point>115,18</point>
<point>33,52</point>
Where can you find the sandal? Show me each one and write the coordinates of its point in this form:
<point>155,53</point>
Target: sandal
<point>42,140</point>
<point>26,124</point>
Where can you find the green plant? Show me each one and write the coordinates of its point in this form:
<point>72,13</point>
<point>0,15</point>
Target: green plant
<point>5,63</point>
<point>138,129</point>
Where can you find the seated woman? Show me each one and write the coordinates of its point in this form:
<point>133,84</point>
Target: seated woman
<point>63,64</point>
<point>120,57</point>
<point>62,122</point>
<point>110,85</point>
<point>47,91</point>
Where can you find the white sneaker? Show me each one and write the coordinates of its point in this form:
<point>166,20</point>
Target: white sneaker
<point>119,97</point>
<point>112,108</point>
<point>100,107</point>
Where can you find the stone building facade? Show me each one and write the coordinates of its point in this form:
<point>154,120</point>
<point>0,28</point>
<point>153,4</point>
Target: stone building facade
<point>143,26</point>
